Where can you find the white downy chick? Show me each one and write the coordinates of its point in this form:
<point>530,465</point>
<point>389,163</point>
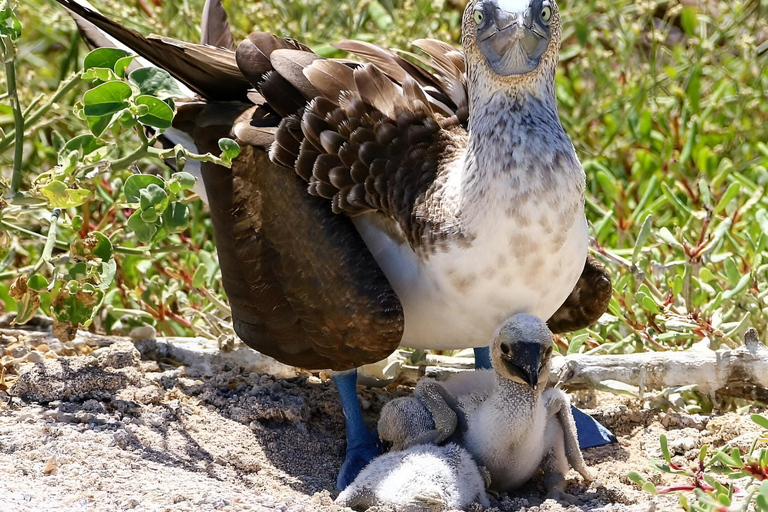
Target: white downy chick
<point>422,478</point>
<point>519,427</point>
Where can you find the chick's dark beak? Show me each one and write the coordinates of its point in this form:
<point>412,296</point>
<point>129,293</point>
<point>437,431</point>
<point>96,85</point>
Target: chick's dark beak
<point>523,362</point>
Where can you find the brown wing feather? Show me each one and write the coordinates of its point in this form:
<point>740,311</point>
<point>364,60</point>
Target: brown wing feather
<point>214,29</point>
<point>588,300</point>
<point>369,145</point>
<point>302,285</point>
<point>210,72</point>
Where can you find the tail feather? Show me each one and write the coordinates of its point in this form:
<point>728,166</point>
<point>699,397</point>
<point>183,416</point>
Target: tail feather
<point>215,27</point>
<point>210,72</point>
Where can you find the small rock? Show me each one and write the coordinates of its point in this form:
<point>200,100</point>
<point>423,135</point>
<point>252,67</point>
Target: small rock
<point>143,332</point>
<point>50,466</point>
<point>43,347</point>
<point>19,351</point>
<point>34,357</point>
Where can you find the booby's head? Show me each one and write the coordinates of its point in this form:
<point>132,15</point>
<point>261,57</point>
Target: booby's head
<point>521,351</point>
<point>511,41</point>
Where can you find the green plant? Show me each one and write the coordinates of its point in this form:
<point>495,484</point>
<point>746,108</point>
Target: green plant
<point>712,479</point>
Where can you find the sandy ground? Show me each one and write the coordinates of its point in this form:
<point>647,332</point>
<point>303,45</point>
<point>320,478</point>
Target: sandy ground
<point>84,428</point>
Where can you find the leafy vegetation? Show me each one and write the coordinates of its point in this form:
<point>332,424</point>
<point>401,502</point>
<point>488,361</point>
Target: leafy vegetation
<point>724,481</point>
<point>666,103</point>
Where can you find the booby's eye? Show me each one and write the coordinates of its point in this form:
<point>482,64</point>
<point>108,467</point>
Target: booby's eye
<point>546,14</point>
<point>478,16</point>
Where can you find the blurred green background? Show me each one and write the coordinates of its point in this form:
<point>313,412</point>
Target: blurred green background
<point>666,104</point>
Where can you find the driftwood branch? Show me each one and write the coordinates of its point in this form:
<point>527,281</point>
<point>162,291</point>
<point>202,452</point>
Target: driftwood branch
<point>741,372</point>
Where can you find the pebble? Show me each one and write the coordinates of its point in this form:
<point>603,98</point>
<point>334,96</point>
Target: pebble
<point>18,352</point>
<point>34,357</point>
<point>43,347</point>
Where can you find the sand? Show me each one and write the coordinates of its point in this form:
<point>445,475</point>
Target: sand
<point>92,426</point>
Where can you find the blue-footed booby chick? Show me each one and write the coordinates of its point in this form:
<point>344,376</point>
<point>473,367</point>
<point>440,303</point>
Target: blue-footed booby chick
<point>422,478</point>
<point>520,427</point>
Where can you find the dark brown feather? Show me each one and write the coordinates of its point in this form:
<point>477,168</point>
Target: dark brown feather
<point>331,78</point>
<point>587,302</point>
<point>210,72</point>
<point>291,64</point>
<point>214,30</point>
<point>310,296</point>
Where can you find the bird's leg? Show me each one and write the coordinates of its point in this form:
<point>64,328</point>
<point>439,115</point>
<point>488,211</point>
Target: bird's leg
<point>362,446</point>
<point>483,358</point>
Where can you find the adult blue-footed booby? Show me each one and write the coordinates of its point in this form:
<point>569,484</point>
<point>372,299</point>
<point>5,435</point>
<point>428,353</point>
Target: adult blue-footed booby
<point>460,197</point>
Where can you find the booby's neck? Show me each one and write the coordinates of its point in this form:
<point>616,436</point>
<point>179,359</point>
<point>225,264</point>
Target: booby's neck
<point>517,145</point>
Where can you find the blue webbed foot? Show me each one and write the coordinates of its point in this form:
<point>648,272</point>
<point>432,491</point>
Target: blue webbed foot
<point>591,433</point>
<point>362,445</point>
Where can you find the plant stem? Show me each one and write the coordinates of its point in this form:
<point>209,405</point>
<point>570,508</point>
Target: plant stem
<point>9,59</point>
<point>63,89</point>
<point>24,231</point>
<point>50,240</point>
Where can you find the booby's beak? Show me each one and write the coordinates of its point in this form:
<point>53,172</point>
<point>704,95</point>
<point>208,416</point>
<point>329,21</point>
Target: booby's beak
<point>522,361</point>
<point>513,34</point>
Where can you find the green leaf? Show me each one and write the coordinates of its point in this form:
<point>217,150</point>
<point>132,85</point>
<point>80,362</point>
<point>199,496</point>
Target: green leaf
<point>159,114</point>
<point>665,235</point>
<point>77,223</point>
<point>607,183</point>
<point>664,448</point>
<point>176,217</point>
<point>153,196</point>
<point>576,343</point>
<point>77,272</point>
<point>156,82</point>
<point>98,125</point>
<point>107,272</point>
<point>379,15</point>
<point>59,196</point>
<point>106,99</point>
<point>136,183</point>
<point>101,74</point>
<point>740,287</point>
<point>104,58</point>
<point>645,230</point>
<point>180,181</point>
<point>9,25</point>
<point>37,282</point>
<point>636,478</point>
<point>730,194</point>
<point>763,422</point>
<point>149,215</point>
<point>199,278</point>
<point>144,230</point>
<point>122,64</point>
<point>229,149</point>
<point>103,248</point>
<point>688,20</point>
<point>84,144</point>
<point>693,90</point>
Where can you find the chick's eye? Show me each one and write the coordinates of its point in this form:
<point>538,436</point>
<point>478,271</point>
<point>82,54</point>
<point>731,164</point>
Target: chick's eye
<point>546,14</point>
<point>478,16</point>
